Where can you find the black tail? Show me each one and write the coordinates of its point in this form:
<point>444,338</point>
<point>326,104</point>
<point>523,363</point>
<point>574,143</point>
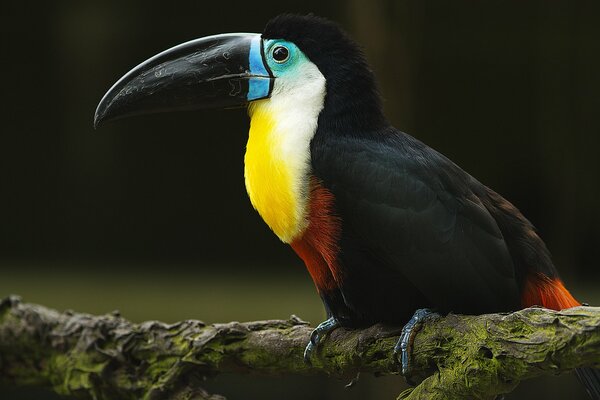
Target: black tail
<point>591,380</point>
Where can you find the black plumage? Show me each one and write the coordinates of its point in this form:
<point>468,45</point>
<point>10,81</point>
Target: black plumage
<point>417,231</point>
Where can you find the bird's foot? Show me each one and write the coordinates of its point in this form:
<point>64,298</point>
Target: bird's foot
<point>317,334</point>
<point>403,348</point>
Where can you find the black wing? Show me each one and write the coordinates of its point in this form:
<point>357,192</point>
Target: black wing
<point>419,216</point>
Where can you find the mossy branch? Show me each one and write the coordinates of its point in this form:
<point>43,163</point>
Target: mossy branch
<point>107,357</point>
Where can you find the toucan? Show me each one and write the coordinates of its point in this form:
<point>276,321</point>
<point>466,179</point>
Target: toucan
<point>385,224</point>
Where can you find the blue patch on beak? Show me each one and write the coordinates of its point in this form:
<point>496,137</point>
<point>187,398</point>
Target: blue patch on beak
<point>259,85</point>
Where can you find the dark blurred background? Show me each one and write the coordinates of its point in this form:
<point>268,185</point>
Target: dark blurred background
<point>150,215</point>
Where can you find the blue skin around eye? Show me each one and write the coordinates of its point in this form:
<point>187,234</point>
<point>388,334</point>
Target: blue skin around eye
<point>258,88</point>
<point>291,66</point>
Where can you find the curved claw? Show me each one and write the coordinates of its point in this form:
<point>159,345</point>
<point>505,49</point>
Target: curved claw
<point>308,352</point>
<point>317,334</point>
<point>407,337</point>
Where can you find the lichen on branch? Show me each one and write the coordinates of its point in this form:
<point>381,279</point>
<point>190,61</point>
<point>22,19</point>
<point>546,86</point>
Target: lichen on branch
<point>108,357</point>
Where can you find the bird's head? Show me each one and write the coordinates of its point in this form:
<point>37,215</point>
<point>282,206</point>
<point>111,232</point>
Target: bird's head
<point>295,58</point>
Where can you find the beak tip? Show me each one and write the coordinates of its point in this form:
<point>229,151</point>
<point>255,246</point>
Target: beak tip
<point>101,115</point>
<point>98,120</point>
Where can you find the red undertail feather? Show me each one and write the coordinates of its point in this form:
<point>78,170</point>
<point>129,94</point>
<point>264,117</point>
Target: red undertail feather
<point>541,290</point>
<point>319,245</point>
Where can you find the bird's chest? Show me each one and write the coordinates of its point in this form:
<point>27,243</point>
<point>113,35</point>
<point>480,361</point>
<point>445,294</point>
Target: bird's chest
<point>276,170</point>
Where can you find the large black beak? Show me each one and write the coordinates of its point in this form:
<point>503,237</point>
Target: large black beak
<point>216,71</point>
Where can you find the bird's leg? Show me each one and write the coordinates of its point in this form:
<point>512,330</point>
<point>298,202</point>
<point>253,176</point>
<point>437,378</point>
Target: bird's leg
<point>407,337</point>
<point>317,334</point>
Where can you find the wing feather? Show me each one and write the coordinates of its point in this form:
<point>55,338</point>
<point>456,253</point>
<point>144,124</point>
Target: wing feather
<point>421,216</point>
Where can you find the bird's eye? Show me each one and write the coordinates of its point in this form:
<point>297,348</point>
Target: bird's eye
<point>280,54</point>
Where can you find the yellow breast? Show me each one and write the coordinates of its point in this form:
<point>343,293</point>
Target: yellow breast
<point>272,179</point>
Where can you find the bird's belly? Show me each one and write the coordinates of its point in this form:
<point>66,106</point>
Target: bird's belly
<point>354,288</point>
<point>372,293</point>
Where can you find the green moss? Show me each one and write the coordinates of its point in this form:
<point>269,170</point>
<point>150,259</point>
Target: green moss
<point>70,373</point>
<point>106,358</point>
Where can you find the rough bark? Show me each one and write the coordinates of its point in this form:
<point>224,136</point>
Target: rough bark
<point>108,357</point>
